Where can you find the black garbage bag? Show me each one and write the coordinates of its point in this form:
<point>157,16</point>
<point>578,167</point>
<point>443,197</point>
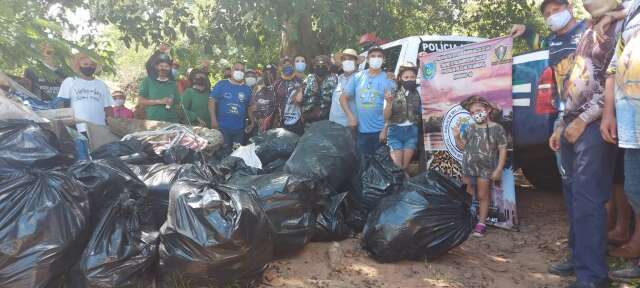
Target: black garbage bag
<point>121,253</point>
<point>179,154</point>
<point>274,166</point>
<point>27,144</point>
<point>107,179</point>
<point>232,167</point>
<point>214,234</point>
<point>429,217</point>
<point>291,203</point>
<point>158,179</point>
<point>43,221</point>
<point>378,177</point>
<point>275,144</point>
<point>331,224</point>
<point>132,151</point>
<point>325,152</point>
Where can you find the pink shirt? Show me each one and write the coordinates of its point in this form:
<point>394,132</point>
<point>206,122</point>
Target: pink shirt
<point>122,112</point>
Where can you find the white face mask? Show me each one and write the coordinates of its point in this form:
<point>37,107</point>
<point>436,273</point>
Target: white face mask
<point>250,81</point>
<point>348,66</point>
<point>375,62</point>
<point>480,117</point>
<point>559,20</point>
<point>238,75</point>
<point>301,66</point>
<point>118,102</point>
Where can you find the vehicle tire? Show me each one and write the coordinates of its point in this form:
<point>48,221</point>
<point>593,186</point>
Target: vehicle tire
<point>542,173</point>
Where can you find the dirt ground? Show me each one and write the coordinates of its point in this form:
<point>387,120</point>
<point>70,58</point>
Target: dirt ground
<point>501,259</point>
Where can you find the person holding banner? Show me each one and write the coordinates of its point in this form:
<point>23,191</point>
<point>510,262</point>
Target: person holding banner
<point>402,111</point>
<point>369,88</point>
<point>589,160</point>
<point>484,145</point>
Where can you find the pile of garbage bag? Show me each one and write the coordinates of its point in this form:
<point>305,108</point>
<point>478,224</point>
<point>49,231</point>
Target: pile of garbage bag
<point>141,214</point>
<point>427,218</point>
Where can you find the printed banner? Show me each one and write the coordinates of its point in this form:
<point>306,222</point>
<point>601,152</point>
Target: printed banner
<point>447,78</point>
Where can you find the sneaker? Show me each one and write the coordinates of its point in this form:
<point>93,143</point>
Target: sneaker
<point>563,267</point>
<point>480,230</point>
<point>629,272</point>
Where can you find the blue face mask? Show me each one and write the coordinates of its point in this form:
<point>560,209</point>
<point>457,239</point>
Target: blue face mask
<point>287,71</point>
<point>301,66</point>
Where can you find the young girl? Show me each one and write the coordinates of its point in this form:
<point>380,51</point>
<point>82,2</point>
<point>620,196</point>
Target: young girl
<point>402,112</point>
<point>485,152</point>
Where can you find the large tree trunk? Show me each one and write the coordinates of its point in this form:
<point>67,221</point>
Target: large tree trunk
<point>307,42</point>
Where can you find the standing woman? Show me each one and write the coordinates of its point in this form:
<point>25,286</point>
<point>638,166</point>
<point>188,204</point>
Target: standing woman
<point>402,111</point>
<point>196,98</point>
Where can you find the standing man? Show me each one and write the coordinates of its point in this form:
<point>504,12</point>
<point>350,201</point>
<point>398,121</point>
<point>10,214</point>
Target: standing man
<point>89,97</point>
<point>561,43</point>
<point>289,90</point>
<point>158,94</point>
<point>369,88</point>
<point>349,60</point>
<point>229,104</point>
<point>589,161</point>
<point>46,84</point>
<point>319,87</point>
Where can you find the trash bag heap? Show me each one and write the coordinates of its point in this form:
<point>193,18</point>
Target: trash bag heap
<point>25,144</point>
<point>215,234</point>
<point>44,217</point>
<point>427,218</point>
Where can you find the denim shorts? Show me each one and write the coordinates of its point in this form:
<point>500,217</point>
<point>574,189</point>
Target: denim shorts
<point>632,178</point>
<point>402,137</point>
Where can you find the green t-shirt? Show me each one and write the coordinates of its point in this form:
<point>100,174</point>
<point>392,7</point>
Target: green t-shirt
<point>154,90</point>
<point>196,105</point>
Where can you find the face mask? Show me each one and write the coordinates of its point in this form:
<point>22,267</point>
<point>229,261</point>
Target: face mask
<point>174,72</point>
<point>321,71</point>
<point>301,66</point>
<point>250,81</point>
<point>199,81</point>
<point>88,71</point>
<point>558,21</point>
<point>238,75</point>
<point>287,71</point>
<point>597,8</point>
<point>409,85</point>
<point>375,63</point>
<point>348,66</point>
<point>118,102</point>
<point>480,117</point>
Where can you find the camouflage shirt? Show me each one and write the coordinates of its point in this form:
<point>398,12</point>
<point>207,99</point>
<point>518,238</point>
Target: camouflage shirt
<point>317,96</point>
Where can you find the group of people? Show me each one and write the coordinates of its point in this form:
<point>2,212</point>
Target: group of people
<point>595,64</point>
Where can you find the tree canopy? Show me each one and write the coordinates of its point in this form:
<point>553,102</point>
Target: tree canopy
<point>255,31</point>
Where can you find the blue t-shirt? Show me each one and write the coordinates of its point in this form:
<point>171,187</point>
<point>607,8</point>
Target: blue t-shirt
<point>232,102</point>
<point>369,95</point>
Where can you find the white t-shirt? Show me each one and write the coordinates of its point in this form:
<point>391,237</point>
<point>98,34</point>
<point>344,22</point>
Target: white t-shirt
<point>88,98</point>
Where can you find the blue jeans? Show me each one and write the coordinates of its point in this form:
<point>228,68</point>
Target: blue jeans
<point>232,136</point>
<point>589,165</point>
<point>402,137</point>
<point>368,143</point>
<point>632,178</point>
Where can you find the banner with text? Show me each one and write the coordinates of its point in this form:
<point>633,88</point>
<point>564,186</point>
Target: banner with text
<point>450,76</point>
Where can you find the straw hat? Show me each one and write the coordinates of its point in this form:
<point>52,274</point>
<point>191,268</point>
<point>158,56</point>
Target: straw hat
<point>467,103</point>
<point>75,63</point>
<point>348,52</point>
